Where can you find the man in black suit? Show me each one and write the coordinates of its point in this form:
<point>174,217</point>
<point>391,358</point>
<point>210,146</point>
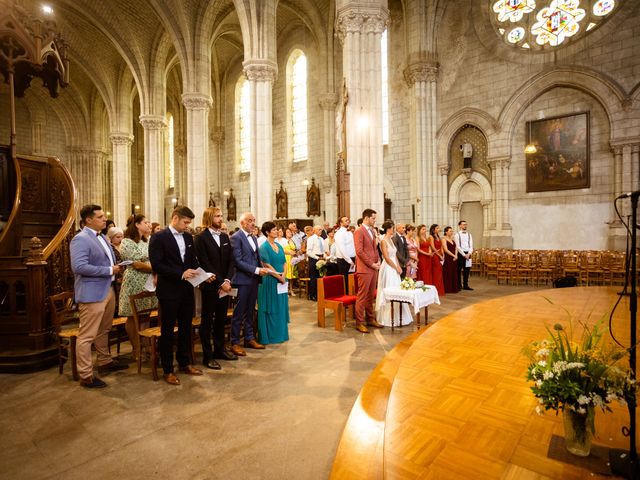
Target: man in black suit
<point>400,241</point>
<point>213,248</point>
<point>173,258</point>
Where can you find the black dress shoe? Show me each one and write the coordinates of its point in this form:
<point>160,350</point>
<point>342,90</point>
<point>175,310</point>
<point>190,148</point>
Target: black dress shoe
<point>225,355</point>
<point>212,364</point>
<point>92,382</point>
<point>112,366</point>
<point>468,288</point>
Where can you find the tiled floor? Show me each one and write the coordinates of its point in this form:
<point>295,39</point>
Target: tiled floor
<point>276,414</point>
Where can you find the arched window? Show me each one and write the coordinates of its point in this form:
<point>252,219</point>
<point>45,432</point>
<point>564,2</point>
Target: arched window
<point>297,106</point>
<point>243,133</point>
<point>385,89</point>
<point>171,159</point>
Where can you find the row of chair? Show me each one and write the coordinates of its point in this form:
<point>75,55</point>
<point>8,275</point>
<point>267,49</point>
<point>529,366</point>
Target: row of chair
<point>536,267</point>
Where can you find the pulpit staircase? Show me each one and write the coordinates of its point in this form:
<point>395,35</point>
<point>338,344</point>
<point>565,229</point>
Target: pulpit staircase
<point>37,213</point>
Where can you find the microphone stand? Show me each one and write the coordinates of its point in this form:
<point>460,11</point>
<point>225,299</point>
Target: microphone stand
<point>624,462</point>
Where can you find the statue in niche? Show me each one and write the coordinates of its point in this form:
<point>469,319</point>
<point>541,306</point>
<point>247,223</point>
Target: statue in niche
<point>231,206</point>
<point>212,202</point>
<point>313,199</point>
<point>467,153</point>
<point>282,202</point>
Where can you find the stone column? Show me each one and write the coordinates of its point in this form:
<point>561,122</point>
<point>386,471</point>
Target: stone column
<point>443,186</point>
<point>360,30</point>
<point>328,102</point>
<point>121,185</point>
<point>154,181</point>
<point>197,194</point>
<point>217,186</point>
<point>86,166</point>
<point>421,78</point>
<point>261,74</point>
<point>499,222</point>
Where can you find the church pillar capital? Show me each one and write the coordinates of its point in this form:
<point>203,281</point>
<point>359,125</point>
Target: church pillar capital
<point>121,138</point>
<point>499,162</point>
<point>260,70</point>
<point>354,19</point>
<point>196,101</point>
<point>421,72</point>
<point>328,101</point>
<point>153,122</point>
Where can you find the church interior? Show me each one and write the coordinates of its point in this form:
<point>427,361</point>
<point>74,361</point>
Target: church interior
<point>521,117</point>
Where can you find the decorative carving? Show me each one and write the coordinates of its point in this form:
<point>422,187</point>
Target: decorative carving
<point>120,138</point>
<point>218,135</point>
<point>421,72</point>
<point>282,202</point>
<point>153,122</point>
<point>328,101</point>
<point>360,19</point>
<point>31,190</point>
<point>212,202</point>
<point>313,199</point>
<point>231,206</point>
<point>36,254</point>
<point>260,70</point>
<point>196,101</point>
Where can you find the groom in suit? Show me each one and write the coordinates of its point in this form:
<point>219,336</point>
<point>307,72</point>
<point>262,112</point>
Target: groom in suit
<point>367,266</point>
<point>173,258</point>
<point>94,268</point>
<point>400,241</point>
<point>246,277</point>
<point>213,248</point>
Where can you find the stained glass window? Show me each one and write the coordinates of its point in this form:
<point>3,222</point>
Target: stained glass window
<point>243,133</point>
<point>540,24</point>
<point>171,160</point>
<point>385,89</point>
<point>297,106</point>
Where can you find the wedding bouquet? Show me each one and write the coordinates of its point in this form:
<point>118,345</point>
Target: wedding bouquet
<point>321,266</point>
<point>410,284</point>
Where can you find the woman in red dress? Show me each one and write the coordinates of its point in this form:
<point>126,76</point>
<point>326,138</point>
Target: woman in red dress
<point>437,258</point>
<point>450,267</point>
<point>424,256</point>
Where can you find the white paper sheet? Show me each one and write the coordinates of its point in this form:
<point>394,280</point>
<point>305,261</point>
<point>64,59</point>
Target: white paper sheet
<point>283,288</point>
<point>201,276</point>
<point>232,293</point>
<point>148,285</point>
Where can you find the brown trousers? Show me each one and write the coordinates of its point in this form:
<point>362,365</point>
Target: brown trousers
<point>96,320</point>
<point>366,297</point>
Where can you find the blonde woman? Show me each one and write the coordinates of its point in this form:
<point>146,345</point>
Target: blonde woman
<point>424,256</point>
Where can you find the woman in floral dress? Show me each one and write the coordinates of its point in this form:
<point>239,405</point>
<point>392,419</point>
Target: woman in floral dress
<point>412,246</point>
<point>135,247</point>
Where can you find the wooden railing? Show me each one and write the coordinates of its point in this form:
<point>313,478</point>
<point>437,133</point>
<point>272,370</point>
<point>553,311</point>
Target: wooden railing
<point>35,261</point>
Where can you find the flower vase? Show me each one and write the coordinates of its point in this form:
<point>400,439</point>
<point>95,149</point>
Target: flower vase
<point>578,431</point>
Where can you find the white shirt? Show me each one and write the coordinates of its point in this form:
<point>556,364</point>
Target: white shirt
<point>216,235</point>
<point>261,240</point>
<point>345,248</point>
<point>297,239</point>
<point>253,247</point>
<point>180,240</point>
<point>105,246</point>
<point>464,242</point>
<point>315,246</point>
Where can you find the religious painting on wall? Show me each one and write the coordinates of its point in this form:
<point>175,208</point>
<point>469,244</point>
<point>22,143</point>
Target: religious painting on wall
<point>557,153</point>
<point>282,202</point>
<point>231,206</point>
<point>313,199</point>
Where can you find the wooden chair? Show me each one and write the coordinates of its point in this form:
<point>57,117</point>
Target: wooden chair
<point>616,268</point>
<point>571,266</point>
<point>525,268</point>
<point>506,266</point>
<point>490,262</point>
<point>65,324</point>
<point>331,295</point>
<point>303,279</point>
<point>476,262</point>
<point>142,316</point>
<point>593,269</point>
<point>116,335</point>
<point>546,267</point>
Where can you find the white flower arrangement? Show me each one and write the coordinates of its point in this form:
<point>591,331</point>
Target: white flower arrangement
<point>410,284</point>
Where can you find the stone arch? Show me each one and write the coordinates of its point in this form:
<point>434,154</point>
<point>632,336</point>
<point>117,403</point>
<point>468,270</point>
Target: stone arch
<point>606,91</point>
<point>472,116</point>
<point>461,180</point>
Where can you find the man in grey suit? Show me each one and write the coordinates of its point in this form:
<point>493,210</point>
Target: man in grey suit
<point>400,241</point>
<point>94,268</point>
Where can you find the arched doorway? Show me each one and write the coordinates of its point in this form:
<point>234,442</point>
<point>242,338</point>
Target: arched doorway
<point>471,210</point>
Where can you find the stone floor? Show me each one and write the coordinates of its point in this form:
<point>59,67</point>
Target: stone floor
<point>276,414</point>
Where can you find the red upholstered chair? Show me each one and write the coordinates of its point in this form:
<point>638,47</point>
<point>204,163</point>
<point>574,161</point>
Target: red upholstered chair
<point>331,295</point>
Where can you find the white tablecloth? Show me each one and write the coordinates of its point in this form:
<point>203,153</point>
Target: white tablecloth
<point>418,298</point>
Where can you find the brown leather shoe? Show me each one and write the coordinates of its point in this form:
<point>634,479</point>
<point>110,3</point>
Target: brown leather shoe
<point>362,328</point>
<point>171,378</point>
<point>253,344</point>
<point>238,350</point>
<point>375,324</point>
<point>191,370</point>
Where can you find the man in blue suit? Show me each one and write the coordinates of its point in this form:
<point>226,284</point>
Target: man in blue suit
<point>246,278</point>
<point>94,268</point>
<point>173,258</point>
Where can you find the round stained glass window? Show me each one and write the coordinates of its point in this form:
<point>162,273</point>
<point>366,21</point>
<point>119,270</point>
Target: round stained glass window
<point>542,24</point>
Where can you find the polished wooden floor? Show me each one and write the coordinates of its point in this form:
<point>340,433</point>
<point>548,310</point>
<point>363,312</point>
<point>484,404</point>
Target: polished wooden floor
<point>452,401</point>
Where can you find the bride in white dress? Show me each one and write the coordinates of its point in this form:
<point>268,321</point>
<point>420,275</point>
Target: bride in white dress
<point>389,276</point>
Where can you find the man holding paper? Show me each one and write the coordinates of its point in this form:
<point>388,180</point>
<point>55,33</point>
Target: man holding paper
<point>213,248</point>
<point>247,276</point>
<point>173,258</point>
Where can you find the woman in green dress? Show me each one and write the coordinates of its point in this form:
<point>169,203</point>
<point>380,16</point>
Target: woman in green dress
<point>135,247</point>
<point>273,306</point>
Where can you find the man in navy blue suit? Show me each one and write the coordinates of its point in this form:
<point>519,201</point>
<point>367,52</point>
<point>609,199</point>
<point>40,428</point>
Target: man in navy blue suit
<point>173,258</point>
<point>246,278</point>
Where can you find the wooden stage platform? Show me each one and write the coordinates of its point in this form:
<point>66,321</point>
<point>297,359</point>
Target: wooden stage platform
<point>452,401</point>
